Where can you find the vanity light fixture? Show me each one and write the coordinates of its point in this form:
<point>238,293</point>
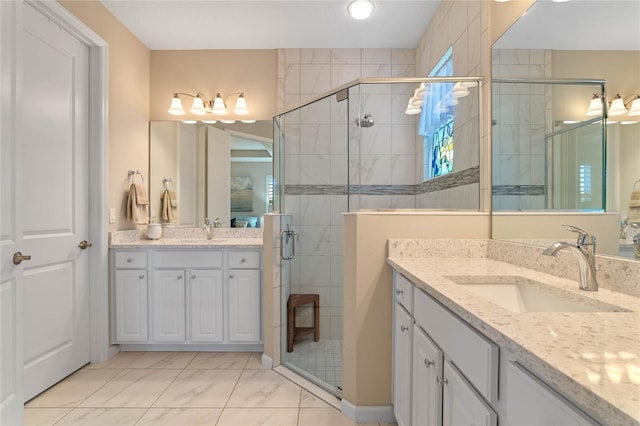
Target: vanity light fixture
<point>203,106</point>
<point>360,9</point>
<point>617,106</point>
<point>629,105</point>
<point>595,106</point>
<point>412,109</point>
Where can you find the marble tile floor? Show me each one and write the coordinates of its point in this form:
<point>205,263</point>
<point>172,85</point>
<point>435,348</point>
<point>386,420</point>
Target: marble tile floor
<point>180,389</point>
<point>321,359</point>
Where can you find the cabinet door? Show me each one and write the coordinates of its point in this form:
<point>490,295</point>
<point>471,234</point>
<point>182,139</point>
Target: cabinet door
<point>168,306</point>
<point>206,305</point>
<point>244,306</point>
<point>531,402</point>
<point>427,366</point>
<point>402,336</point>
<point>131,305</point>
<point>462,405</point>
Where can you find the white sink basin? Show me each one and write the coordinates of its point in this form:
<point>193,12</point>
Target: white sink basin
<point>519,294</point>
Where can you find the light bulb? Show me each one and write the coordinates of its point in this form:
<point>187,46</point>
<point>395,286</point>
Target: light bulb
<point>360,9</point>
<point>412,109</point>
<point>617,107</point>
<point>241,106</point>
<point>219,107</point>
<point>198,106</point>
<point>176,106</point>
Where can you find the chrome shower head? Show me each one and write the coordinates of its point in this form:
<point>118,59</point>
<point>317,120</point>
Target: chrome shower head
<point>366,121</point>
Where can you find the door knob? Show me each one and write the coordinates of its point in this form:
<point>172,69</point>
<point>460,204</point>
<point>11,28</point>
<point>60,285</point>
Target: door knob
<point>19,257</point>
<point>84,244</point>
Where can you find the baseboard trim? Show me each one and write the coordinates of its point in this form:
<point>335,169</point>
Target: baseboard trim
<point>190,347</point>
<point>267,361</point>
<point>368,413</point>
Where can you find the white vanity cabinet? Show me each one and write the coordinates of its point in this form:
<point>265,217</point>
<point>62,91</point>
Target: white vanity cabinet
<point>402,347</point>
<point>428,361</point>
<point>168,306</point>
<point>187,299</point>
<point>453,372</point>
<point>131,293</point>
<point>244,297</point>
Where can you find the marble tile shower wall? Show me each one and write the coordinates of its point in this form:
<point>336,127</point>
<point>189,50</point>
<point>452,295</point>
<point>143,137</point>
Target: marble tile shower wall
<point>316,156</point>
<point>523,116</point>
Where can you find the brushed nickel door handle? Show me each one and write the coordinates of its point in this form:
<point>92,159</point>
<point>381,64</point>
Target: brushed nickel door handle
<point>18,258</point>
<point>84,244</point>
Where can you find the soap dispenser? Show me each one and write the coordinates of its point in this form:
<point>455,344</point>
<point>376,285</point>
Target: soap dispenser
<point>154,230</point>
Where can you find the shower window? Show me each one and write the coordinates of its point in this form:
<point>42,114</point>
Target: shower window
<point>436,121</point>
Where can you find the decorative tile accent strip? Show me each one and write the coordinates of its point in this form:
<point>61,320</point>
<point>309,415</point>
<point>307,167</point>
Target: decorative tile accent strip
<point>452,180</point>
<point>315,189</point>
<point>517,190</point>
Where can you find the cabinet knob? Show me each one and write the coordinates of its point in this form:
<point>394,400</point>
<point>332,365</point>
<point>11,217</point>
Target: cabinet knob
<point>179,277</point>
<point>428,363</point>
<point>231,276</point>
<point>129,260</point>
<point>141,276</point>
<point>193,277</point>
<point>399,292</point>
<point>441,381</point>
<point>243,260</point>
<point>403,327</point>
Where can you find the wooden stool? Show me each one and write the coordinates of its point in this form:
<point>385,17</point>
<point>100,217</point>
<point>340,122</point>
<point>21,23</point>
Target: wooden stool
<point>293,302</point>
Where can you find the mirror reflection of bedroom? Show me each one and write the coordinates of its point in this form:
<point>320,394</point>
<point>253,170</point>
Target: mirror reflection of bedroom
<point>222,172</point>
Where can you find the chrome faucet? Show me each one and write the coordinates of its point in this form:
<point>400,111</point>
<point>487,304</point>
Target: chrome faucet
<point>585,251</point>
<point>207,225</point>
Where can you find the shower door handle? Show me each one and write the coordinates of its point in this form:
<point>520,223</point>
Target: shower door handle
<point>285,236</point>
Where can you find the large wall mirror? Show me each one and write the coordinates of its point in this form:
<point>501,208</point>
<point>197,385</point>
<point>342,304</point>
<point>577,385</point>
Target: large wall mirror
<point>552,162</point>
<point>216,171</point>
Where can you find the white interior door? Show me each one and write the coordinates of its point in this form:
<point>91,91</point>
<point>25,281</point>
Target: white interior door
<point>54,209</point>
<point>11,335</point>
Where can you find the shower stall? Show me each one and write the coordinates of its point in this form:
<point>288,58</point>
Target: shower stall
<point>371,144</point>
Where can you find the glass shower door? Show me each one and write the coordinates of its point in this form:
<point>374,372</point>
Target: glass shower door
<point>313,189</point>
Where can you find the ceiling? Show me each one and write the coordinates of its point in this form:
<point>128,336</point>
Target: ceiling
<point>265,24</point>
<point>576,25</point>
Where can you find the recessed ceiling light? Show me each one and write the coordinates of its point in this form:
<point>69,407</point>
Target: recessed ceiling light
<point>360,9</point>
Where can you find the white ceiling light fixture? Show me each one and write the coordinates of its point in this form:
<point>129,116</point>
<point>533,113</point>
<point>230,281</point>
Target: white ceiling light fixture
<point>202,106</point>
<point>360,9</point>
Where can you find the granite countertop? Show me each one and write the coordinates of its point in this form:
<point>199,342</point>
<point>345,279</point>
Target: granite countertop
<point>173,238</point>
<point>593,358</point>
<point>173,243</point>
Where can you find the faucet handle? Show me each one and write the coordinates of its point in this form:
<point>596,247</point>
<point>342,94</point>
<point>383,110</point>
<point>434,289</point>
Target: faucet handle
<point>584,238</point>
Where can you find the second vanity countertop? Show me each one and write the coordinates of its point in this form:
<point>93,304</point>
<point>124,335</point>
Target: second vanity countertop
<point>196,238</point>
<point>593,358</point>
<point>173,243</point>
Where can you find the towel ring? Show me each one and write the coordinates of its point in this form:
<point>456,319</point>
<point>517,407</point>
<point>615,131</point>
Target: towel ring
<point>165,181</point>
<point>132,176</point>
<point>635,185</point>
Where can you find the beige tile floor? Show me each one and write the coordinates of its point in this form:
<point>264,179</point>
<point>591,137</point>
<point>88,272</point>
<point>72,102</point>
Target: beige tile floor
<point>180,389</point>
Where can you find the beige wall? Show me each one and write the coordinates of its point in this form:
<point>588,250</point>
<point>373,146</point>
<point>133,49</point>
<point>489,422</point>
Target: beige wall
<point>128,80</point>
<point>209,72</point>
<point>368,294</point>
<point>618,68</point>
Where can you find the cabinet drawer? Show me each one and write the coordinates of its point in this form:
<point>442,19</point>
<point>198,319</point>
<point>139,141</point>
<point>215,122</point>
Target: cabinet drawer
<point>472,353</point>
<point>531,402</point>
<point>131,259</point>
<point>244,259</point>
<point>187,259</point>
<point>403,292</point>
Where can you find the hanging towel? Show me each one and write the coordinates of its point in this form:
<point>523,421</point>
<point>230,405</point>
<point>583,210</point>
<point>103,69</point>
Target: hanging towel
<point>635,199</point>
<point>169,206</point>
<point>138,204</point>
